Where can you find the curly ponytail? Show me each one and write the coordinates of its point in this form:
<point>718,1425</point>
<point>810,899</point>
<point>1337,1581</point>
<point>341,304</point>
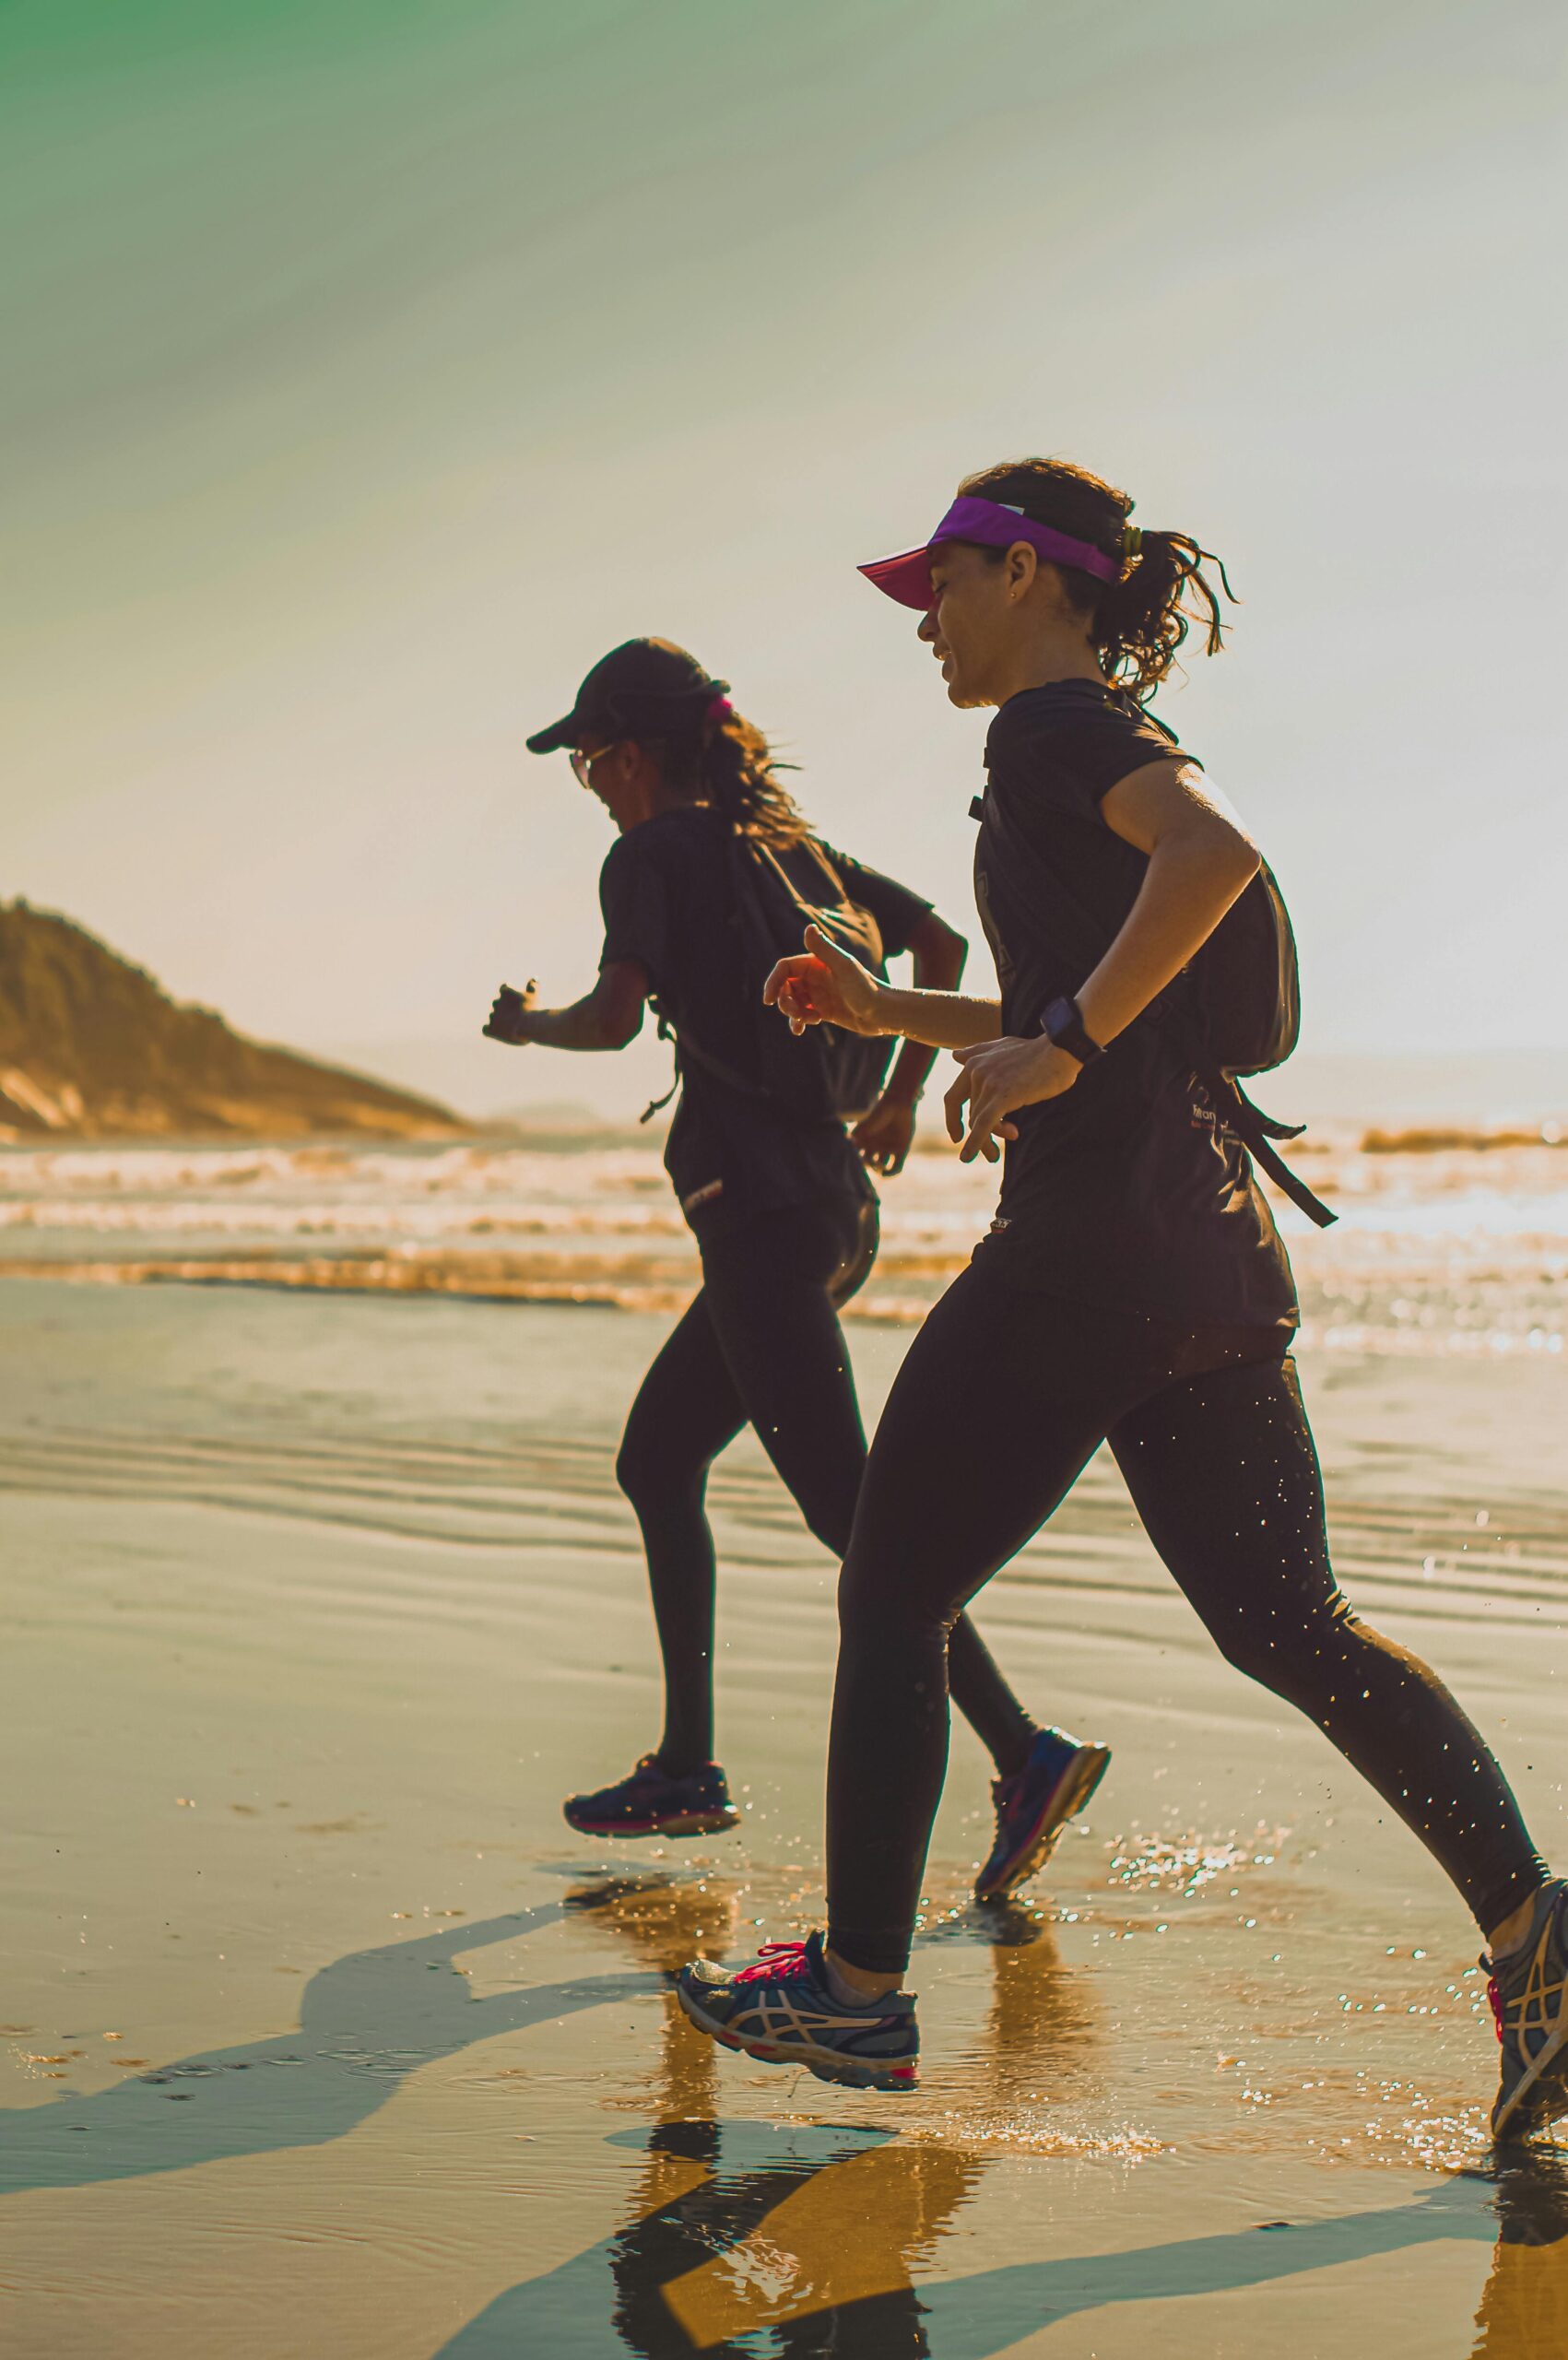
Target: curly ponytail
<point>1137,623</point>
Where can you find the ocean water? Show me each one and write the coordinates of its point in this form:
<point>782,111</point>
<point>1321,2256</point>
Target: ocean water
<point>320,2033</point>
<point>1447,1241</point>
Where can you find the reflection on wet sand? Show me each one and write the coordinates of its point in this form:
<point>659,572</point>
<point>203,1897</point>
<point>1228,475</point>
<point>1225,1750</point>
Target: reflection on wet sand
<point>817,2247</point>
<point>815,2234</point>
<point>1524,2312</point>
<point>818,2243</point>
<point>1037,2051</point>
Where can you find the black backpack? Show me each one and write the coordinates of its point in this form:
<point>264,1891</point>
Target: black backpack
<point>1243,1001</point>
<point>823,1074</point>
<point>1234,1009</point>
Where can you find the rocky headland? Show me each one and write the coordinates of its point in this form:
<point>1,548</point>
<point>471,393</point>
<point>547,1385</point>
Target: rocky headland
<point>91,1046</point>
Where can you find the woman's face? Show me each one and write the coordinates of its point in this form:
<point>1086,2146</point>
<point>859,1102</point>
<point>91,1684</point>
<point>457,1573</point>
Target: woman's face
<point>973,617</point>
<point>615,771</point>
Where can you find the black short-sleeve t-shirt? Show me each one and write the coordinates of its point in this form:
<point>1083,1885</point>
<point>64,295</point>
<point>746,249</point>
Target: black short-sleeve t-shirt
<point>1122,1191</point>
<point>665,893</point>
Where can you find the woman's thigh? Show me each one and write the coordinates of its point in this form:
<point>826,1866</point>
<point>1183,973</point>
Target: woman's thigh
<point>1224,1475</point>
<point>687,1409</point>
<point>980,1439</point>
<point>773,1291</point>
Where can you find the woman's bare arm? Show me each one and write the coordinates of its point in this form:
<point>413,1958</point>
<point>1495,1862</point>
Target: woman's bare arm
<point>939,951</point>
<point>606,1018</point>
<point>885,1135</point>
<point>824,986</point>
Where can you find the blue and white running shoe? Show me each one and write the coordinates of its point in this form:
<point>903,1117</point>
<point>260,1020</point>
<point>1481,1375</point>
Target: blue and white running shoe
<point>650,1802</point>
<point>1529,1991</point>
<point>782,2010</point>
<point>1034,1805</point>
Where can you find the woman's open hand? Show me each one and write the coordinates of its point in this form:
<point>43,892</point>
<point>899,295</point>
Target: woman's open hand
<point>998,1077</point>
<point>824,986</point>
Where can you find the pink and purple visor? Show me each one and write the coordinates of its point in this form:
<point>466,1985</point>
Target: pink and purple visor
<point>997,526</point>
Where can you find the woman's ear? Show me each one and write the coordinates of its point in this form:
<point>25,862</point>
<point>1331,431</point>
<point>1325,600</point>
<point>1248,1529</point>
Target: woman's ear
<point>1023,565</point>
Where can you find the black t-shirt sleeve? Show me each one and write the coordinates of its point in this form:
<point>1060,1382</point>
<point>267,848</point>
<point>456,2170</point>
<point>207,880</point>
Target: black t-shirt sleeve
<point>1072,759</point>
<point>634,899</point>
<point>896,910</point>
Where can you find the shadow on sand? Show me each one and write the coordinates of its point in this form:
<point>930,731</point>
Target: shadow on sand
<point>366,2021</point>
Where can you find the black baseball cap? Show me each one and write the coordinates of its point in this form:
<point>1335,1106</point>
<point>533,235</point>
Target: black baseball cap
<point>637,690</point>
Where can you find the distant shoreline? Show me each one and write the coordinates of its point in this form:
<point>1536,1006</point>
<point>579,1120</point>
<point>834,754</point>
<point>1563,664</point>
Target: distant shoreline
<point>1334,1135</point>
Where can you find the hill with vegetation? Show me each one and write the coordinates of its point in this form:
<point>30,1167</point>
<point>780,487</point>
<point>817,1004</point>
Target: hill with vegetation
<point>91,1046</point>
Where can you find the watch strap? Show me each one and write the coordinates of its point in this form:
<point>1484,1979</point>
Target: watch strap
<point>1063,1026</point>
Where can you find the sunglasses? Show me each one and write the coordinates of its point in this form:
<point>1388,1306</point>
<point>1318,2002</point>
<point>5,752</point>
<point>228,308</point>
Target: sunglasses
<point>582,764</point>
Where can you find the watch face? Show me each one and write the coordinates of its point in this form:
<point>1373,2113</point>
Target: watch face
<point>1064,1027</point>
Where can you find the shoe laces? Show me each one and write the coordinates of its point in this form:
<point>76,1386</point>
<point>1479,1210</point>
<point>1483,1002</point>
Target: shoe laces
<point>779,1962</point>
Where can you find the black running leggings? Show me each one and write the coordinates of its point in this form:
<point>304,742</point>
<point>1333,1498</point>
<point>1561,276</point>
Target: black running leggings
<point>762,1345</point>
<point>1002,1399</point>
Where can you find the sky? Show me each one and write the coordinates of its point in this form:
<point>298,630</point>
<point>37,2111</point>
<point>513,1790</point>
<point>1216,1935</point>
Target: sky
<point>371,367</point>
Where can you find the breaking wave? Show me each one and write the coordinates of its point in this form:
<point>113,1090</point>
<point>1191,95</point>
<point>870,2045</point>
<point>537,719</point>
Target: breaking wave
<point>1447,1241</point>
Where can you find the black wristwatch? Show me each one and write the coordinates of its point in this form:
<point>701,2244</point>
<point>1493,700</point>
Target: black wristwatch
<point>1063,1027</point>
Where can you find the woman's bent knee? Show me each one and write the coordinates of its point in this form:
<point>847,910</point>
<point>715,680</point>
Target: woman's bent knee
<point>649,1481</point>
<point>1300,1656</point>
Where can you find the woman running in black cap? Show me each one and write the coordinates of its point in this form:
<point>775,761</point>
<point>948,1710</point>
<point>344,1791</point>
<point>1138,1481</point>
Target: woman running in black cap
<point>1134,1287</point>
<point>774,1186</point>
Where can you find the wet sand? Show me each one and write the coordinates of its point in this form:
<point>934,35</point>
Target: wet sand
<point>323,2034</point>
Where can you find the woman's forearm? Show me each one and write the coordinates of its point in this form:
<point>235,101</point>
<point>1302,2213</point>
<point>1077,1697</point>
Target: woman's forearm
<point>606,1018</point>
<point>1191,881</point>
<point>938,1019</point>
<point>581,1026</point>
<point>939,952</point>
<point>907,1078</point>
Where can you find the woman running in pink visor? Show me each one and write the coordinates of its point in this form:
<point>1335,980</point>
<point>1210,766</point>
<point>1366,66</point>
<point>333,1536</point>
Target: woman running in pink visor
<point>1133,1288</point>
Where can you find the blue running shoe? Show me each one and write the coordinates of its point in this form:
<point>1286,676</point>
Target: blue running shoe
<point>1526,1991</point>
<point>1034,1805</point>
<point>782,2010</point>
<point>652,1804</point>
